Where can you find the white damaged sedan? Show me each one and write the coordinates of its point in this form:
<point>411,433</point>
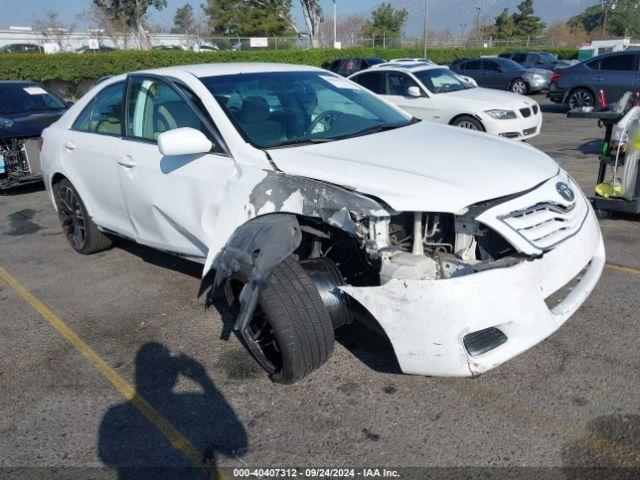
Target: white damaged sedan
<point>316,202</point>
<point>437,94</point>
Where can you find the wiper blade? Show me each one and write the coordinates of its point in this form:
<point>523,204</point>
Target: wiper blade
<point>378,128</point>
<point>299,141</point>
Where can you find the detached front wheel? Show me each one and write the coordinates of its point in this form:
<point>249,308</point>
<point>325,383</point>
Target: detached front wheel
<point>290,334</point>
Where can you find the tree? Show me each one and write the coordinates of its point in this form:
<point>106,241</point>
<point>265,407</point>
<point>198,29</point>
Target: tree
<point>313,18</point>
<point>603,19</point>
<point>248,18</point>
<point>562,34</point>
<point>183,20</point>
<point>589,20</point>
<point>527,24</point>
<point>347,29</point>
<point>134,13</point>
<point>504,26</point>
<point>116,29</point>
<point>385,21</point>
<point>51,28</point>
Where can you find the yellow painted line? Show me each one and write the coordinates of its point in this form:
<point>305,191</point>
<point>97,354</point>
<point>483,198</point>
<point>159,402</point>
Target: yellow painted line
<point>620,268</point>
<point>178,441</point>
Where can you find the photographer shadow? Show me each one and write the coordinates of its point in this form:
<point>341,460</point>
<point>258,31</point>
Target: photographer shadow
<point>135,446</point>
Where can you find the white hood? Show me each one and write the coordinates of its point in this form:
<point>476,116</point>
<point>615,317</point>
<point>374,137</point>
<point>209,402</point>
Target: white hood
<point>487,98</point>
<point>422,167</point>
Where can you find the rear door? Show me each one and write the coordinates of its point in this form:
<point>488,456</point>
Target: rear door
<point>171,200</point>
<point>615,74</point>
<point>90,150</point>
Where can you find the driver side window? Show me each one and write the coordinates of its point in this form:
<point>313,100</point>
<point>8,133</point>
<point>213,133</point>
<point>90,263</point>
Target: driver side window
<point>155,108</point>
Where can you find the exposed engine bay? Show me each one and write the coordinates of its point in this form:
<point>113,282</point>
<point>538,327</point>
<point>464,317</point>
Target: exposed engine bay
<point>18,162</point>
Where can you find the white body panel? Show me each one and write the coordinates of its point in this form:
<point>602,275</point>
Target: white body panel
<point>192,204</point>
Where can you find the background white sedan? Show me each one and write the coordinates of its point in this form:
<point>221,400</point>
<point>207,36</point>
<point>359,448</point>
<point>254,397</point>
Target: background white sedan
<point>437,94</point>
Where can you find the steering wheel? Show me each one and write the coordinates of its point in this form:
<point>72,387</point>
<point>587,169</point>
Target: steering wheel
<point>327,117</point>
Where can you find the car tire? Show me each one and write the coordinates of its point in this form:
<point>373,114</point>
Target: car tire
<point>519,86</point>
<point>468,122</point>
<point>290,334</point>
<point>81,232</point>
<point>581,97</point>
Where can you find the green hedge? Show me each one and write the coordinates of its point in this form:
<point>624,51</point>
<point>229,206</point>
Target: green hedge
<point>73,67</point>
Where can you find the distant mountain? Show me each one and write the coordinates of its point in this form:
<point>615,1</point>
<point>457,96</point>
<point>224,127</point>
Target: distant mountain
<point>445,14</point>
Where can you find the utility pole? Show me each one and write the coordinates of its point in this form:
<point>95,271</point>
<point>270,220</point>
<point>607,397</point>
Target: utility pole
<point>462,27</point>
<point>478,10</point>
<point>426,26</point>
<point>606,4</point>
<point>335,25</point>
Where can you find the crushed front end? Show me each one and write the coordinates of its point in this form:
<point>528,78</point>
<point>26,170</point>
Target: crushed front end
<point>19,162</point>
<point>459,294</point>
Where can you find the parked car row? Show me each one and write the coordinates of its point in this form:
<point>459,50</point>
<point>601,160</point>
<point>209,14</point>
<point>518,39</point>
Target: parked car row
<point>315,201</point>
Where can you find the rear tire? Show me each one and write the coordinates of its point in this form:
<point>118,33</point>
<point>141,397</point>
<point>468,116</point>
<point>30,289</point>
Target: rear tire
<point>82,234</point>
<point>290,334</point>
<point>519,86</point>
<point>468,122</point>
<point>581,97</point>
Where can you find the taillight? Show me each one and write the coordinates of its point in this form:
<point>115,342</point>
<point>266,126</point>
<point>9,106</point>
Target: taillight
<point>40,143</point>
<point>556,76</point>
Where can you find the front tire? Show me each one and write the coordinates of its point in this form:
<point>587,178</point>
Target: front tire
<point>469,123</point>
<point>82,234</point>
<point>290,334</point>
<point>519,86</point>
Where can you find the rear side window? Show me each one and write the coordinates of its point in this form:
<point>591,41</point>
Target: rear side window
<point>155,107</point>
<point>472,65</point>
<point>519,57</point>
<point>373,81</point>
<point>104,114</point>
<point>618,62</point>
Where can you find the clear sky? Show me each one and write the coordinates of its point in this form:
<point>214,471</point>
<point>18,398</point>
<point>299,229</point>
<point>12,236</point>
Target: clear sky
<point>22,12</point>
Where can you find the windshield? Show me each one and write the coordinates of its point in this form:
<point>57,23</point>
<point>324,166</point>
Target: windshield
<point>287,108</point>
<point>441,80</point>
<point>508,65</point>
<point>27,98</point>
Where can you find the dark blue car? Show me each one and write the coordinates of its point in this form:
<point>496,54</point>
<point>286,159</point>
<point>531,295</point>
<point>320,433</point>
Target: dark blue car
<point>26,109</point>
<point>580,85</point>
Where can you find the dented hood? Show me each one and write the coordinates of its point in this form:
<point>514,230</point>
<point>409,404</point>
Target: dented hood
<point>422,167</point>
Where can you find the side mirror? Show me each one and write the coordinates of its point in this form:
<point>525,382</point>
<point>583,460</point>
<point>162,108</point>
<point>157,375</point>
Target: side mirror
<point>500,70</point>
<point>183,141</point>
<point>69,104</point>
<point>414,91</point>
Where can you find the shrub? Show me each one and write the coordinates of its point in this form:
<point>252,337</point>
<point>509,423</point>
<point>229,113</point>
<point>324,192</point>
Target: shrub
<point>73,68</point>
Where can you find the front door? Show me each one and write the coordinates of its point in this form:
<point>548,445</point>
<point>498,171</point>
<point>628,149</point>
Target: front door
<point>397,87</point>
<point>172,200</point>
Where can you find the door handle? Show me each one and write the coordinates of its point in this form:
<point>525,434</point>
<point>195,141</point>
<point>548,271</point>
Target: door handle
<point>70,145</point>
<point>127,161</point>
<point>598,79</point>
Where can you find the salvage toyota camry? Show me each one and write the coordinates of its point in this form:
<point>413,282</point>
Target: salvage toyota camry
<point>316,202</point>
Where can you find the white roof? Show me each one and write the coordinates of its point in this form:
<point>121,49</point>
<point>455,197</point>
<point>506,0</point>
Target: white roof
<point>405,67</point>
<point>214,69</point>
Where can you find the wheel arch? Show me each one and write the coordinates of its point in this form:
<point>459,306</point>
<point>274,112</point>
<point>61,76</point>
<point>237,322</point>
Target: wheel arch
<point>471,115</point>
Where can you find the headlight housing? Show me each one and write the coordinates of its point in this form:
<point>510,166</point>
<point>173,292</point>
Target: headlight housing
<point>501,114</point>
<point>6,123</point>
